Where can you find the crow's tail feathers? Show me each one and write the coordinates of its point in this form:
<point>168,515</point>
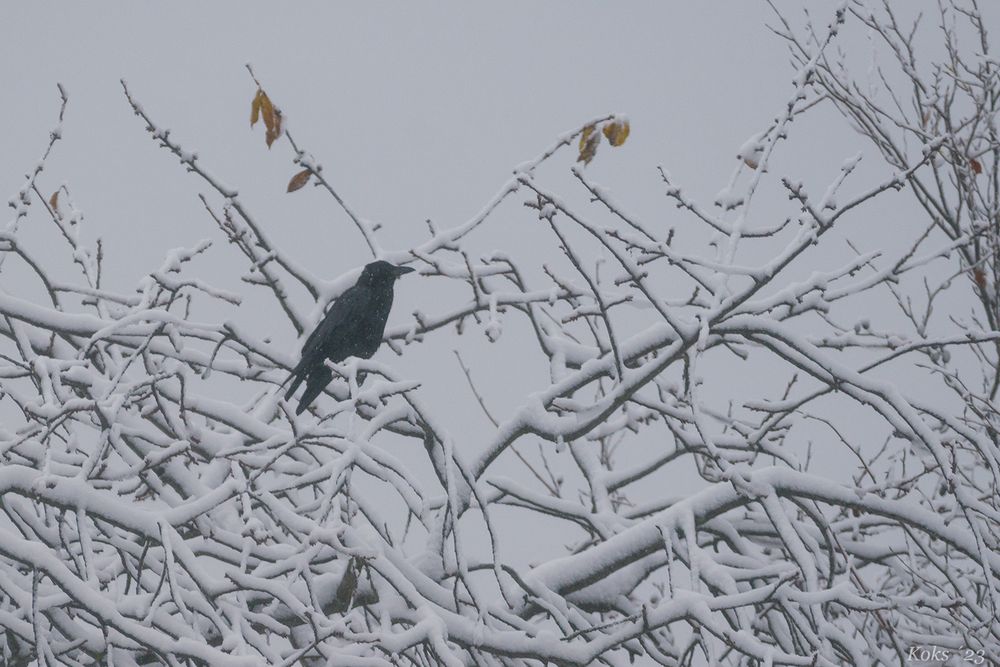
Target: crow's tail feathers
<point>315,384</point>
<point>297,376</point>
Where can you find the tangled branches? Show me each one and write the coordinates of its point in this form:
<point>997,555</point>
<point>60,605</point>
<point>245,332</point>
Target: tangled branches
<point>147,519</point>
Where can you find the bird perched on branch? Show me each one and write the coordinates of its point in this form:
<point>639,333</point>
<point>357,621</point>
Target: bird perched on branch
<point>353,327</point>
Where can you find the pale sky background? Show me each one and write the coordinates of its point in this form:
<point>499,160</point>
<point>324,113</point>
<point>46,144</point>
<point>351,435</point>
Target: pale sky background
<point>416,111</point>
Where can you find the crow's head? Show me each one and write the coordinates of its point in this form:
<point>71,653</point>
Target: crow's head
<point>380,273</point>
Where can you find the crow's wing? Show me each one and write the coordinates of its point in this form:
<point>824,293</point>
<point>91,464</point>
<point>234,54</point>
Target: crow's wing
<point>368,337</point>
<point>339,323</point>
<point>331,338</point>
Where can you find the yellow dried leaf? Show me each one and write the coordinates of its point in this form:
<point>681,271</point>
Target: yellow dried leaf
<point>274,131</point>
<point>617,132</point>
<point>266,110</point>
<point>54,202</point>
<point>299,180</point>
<point>589,140</point>
<point>255,108</point>
<point>585,136</point>
<point>263,109</point>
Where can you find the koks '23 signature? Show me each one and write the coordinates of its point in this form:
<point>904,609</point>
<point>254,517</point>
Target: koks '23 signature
<point>939,654</point>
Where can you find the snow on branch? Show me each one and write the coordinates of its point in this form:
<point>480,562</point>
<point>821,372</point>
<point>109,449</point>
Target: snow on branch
<point>147,516</point>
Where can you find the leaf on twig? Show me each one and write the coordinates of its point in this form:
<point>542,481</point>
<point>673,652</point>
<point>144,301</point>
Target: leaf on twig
<point>980,277</point>
<point>347,587</point>
<point>977,168</point>
<point>54,202</point>
<point>255,107</point>
<point>616,131</point>
<point>274,131</point>
<point>261,108</point>
<point>299,180</point>
<point>589,140</point>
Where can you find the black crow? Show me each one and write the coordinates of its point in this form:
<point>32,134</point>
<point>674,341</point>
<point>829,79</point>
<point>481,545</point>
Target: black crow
<point>353,327</point>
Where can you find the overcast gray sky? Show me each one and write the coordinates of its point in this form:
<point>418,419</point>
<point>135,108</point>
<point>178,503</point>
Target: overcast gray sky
<point>416,110</point>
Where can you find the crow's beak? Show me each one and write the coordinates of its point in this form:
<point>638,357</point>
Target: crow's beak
<point>403,270</point>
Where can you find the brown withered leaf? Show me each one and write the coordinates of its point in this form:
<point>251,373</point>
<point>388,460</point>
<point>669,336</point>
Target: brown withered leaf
<point>299,180</point>
<point>348,585</point>
<point>266,110</point>
<point>54,202</point>
<point>616,132</point>
<point>261,108</point>
<point>255,107</point>
<point>589,140</point>
<point>273,131</point>
<point>977,167</point>
<point>980,277</point>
